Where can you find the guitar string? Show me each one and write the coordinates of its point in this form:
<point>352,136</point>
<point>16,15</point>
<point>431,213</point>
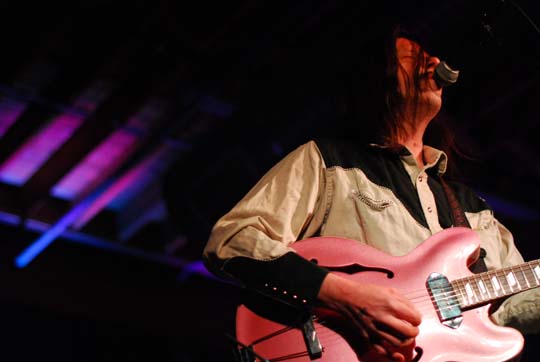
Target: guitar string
<point>527,280</point>
<point>450,295</point>
<point>527,276</point>
<point>329,336</point>
<point>429,303</point>
<point>326,333</point>
<point>423,298</point>
<point>425,301</point>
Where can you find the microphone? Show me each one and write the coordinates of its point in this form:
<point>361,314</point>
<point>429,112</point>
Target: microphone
<point>444,75</point>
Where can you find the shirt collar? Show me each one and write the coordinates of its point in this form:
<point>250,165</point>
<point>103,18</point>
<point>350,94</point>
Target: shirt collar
<point>434,157</point>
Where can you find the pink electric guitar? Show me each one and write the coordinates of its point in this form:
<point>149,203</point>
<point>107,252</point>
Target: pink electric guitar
<point>454,304</point>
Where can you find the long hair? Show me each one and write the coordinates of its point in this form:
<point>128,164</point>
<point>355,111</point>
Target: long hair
<point>373,108</point>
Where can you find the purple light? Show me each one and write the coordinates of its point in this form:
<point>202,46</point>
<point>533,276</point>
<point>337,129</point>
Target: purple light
<point>106,158</point>
<point>511,209</point>
<point>98,165</point>
<point>10,111</point>
<point>196,267</point>
<point>37,150</point>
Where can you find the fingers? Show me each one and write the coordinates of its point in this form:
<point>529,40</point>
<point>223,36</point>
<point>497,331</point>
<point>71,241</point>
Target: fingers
<point>399,328</point>
<point>408,313</point>
<point>394,337</point>
<point>386,352</point>
<point>381,315</point>
<point>398,357</point>
<point>388,328</point>
<point>408,342</point>
<point>403,308</point>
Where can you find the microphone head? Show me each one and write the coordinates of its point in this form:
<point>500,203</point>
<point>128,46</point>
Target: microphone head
<point>444,75</point>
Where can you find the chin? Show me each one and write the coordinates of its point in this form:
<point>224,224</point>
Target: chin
<point>431,107</point>
<point>432,100</point>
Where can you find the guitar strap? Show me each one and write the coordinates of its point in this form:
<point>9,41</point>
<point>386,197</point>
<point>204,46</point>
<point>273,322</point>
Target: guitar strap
<point>461,220</point>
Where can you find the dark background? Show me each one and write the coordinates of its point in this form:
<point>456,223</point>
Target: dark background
<point>147,120</point>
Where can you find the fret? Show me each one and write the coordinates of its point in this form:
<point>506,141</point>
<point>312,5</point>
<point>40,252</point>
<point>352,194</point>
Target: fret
<point>458,285</point>
<point>496,285</point>
<point>457,290</point>
<point>522,277</point>
<point>534,271</point>
<point>505,288</point>
<point>512,281</point>
<point>469,293</point>
<point>476,290</point>
<point>529,275</point>
<point>536,274</point>
<point>461,289</point>
<point>481,287</point>
<point>489,286</point>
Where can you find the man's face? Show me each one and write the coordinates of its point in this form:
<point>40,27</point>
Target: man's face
<point>414,62</point>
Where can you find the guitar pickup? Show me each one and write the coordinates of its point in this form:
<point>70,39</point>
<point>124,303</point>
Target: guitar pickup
<point>444,300</point>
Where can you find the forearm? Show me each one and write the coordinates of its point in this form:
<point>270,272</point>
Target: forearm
<point>289,278</point>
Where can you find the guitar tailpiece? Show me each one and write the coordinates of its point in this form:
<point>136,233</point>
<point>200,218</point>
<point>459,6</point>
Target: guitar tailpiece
<point>243,353</point>
<point>311,339</point>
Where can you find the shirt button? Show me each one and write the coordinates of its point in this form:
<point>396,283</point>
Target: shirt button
<point>420,178</point>
<point>429,209</point>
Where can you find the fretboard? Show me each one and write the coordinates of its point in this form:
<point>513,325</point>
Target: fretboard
<point>485,287</point>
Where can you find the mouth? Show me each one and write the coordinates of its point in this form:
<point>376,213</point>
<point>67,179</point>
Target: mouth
<point>429,80</point>
<point>437,86</point>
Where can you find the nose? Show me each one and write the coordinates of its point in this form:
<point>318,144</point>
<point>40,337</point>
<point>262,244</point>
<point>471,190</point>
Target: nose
<point>432,62</point>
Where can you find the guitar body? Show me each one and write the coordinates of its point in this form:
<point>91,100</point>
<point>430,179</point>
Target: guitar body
<point>448,253</point>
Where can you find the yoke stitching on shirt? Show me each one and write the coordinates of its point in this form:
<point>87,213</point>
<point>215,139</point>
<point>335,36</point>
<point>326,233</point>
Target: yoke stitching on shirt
<point>329,195</point>
<point>381,187</point>
<point>378,205</point>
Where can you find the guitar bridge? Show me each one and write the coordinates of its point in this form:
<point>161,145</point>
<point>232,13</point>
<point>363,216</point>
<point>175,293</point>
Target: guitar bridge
<point>444,300</point>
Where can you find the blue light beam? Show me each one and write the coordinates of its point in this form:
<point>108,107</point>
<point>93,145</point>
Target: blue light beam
<point>37,247</point>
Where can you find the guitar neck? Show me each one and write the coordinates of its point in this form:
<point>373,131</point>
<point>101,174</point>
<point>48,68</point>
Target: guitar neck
<point>479,289</point>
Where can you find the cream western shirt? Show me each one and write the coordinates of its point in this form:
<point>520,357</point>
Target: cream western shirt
<point>301,197</point>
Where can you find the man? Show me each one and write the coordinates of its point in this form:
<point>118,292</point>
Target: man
<point>387,195</point>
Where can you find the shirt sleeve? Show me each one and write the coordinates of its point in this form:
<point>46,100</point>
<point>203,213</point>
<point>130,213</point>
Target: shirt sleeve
<point>521,311</point>
<point>251,242</point>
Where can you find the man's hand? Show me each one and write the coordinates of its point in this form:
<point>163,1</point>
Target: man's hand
<point>381,315</point>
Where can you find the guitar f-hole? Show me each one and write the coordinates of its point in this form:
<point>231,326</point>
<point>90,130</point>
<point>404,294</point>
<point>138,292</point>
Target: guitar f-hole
<point>355,268</point>
<point>419,352</point>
